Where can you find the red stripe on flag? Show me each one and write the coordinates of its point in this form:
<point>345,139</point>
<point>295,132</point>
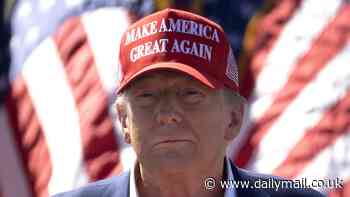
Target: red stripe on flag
<point>30,139</point>
<point>334,124</point>
<point>331,41</point>
<point>270,27</point>
<point>100,148</point>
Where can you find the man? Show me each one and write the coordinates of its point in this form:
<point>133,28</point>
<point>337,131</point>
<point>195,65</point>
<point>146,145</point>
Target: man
<point>179,108</point>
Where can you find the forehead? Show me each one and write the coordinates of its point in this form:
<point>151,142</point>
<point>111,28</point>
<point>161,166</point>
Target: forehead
<point>157,76</point>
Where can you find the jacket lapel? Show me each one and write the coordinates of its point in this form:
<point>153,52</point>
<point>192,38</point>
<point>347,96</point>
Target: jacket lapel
<point>119,187</point>
<point>241,175</point>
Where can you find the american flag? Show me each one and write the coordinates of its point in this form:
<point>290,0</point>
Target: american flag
<point>297,81</point>
<point>57,121</point>
<point>35,20</point>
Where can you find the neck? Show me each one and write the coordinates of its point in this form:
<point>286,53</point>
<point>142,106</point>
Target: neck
<point>163,182</point>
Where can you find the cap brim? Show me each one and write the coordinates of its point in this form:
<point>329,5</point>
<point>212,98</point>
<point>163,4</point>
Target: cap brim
<point>200,76</point>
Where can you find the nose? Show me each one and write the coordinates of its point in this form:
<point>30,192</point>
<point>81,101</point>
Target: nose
<point>168,111</point>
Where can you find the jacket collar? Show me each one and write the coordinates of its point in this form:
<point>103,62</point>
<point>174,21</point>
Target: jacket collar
<point>241,175</point>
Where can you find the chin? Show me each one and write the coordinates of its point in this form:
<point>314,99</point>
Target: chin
<point>173,160</point>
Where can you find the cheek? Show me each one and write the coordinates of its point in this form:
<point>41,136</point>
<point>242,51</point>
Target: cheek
<point>138,139</point>
<point>139,126</point>
<point>141,118</point>
<point>208,124</point>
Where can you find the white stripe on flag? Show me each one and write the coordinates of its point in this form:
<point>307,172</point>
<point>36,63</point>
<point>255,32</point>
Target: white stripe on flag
<point>104,28</point>
<point>293,43</point>
<point>13,181</point>
<point>331,163</point>
<point>53,100</point>
<point>304,112</point>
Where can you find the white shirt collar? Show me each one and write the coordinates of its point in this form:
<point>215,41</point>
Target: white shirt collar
<point>229,192</point>
<point>132,187</point>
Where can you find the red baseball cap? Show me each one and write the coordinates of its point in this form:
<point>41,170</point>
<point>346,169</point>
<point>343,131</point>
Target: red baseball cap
<point>179,40</point>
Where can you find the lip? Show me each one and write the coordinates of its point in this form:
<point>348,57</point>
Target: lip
<point>171,141</point>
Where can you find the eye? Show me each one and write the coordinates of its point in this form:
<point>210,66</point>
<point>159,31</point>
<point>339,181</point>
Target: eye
<point>191,92</point>
<point>192,95</point>
<point>145,97</point>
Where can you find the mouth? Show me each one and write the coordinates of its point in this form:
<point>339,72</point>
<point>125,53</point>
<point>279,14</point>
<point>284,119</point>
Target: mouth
<point>173,141</point>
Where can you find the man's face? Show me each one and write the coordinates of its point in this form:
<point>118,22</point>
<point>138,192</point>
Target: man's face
<point>173,120</point>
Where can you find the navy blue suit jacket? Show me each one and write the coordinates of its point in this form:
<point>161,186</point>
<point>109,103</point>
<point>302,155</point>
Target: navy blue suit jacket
<point>118,186</point>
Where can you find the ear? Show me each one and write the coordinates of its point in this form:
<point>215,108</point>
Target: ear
<point>123,120</point>
<point>235,121</point>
